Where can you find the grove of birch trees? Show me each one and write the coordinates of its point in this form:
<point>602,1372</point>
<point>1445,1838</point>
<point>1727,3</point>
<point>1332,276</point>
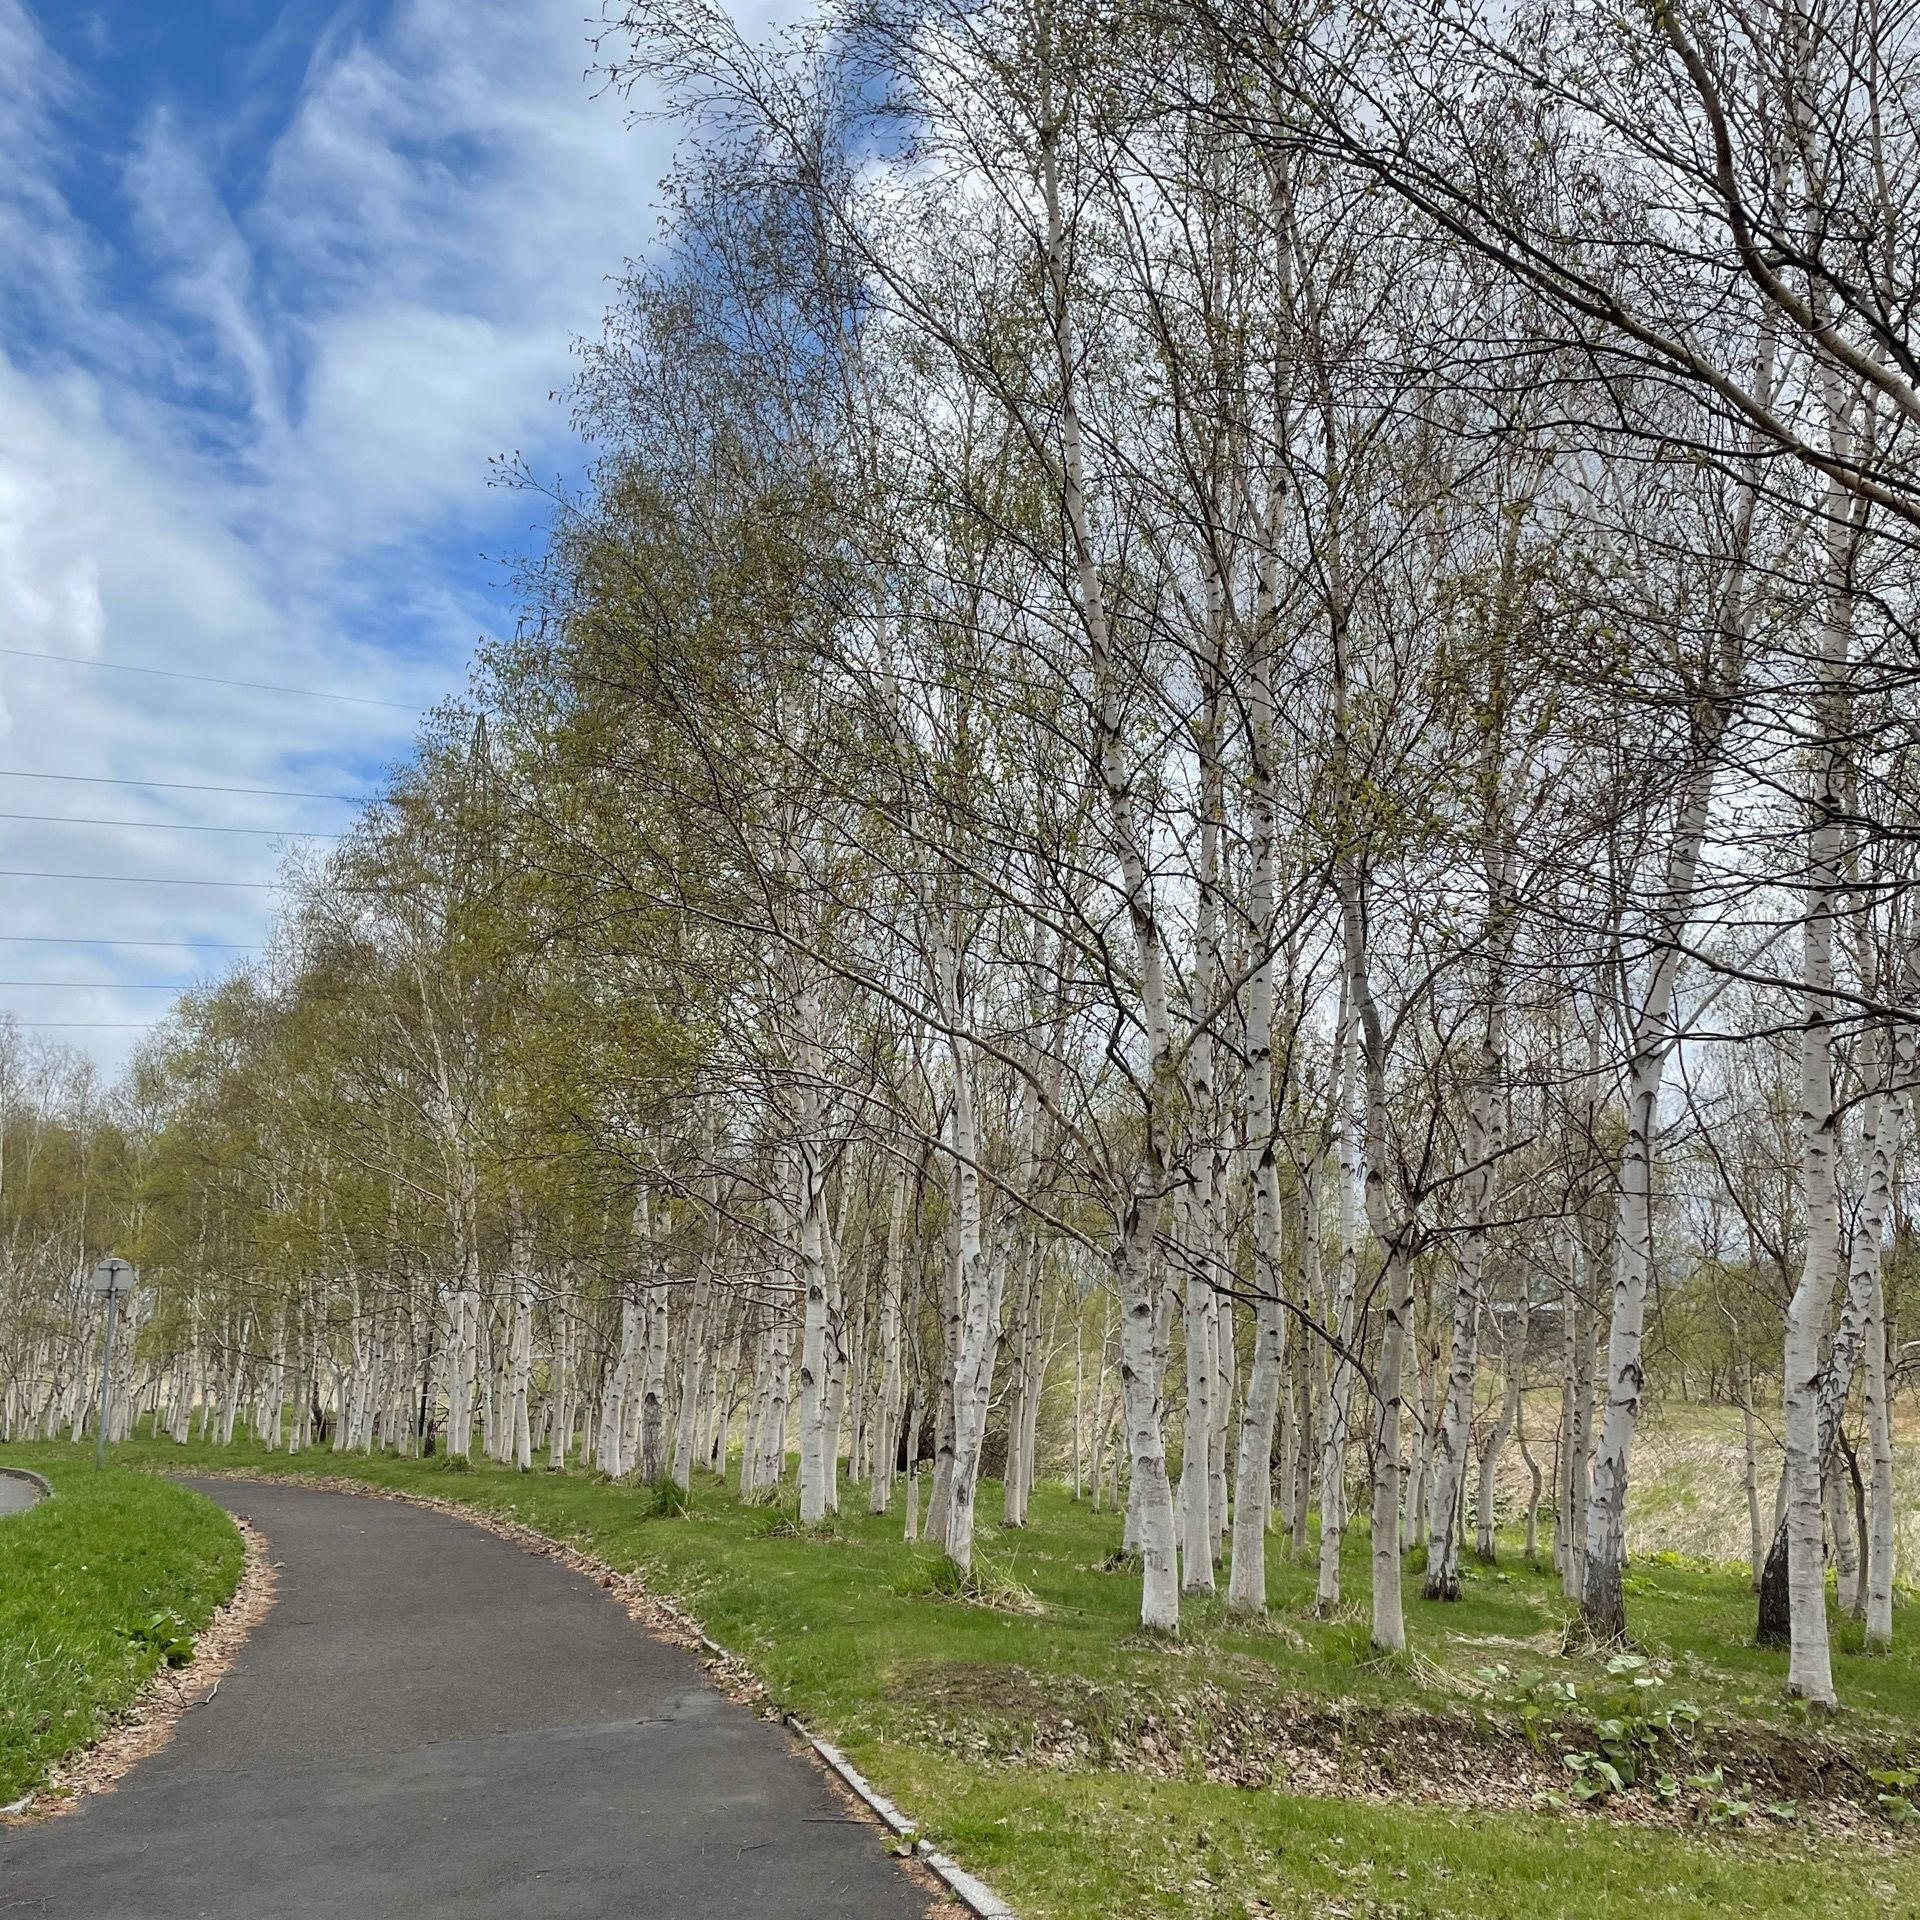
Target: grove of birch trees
<point>1213,794</point>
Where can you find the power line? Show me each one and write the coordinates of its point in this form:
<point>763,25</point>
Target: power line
<point>132,879</point>
<point>87,1023</point>
<point>208,679</point>
<point>186,786</point>
<point>105,986</point>
<point>109,940</point>
<point>171,826</point>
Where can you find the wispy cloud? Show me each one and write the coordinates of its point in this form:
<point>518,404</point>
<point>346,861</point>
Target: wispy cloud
<point>245,432</point>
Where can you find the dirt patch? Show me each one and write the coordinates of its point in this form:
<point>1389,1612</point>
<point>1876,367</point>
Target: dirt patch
<point>1477,1755</point>
<point>1204,1731</point>
<point>149,1721</point>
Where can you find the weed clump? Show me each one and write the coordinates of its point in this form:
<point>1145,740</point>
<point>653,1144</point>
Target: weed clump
<point>671,1501</point>
<point>941,1577</point>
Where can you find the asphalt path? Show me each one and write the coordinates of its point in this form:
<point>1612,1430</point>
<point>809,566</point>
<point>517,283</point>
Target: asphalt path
<point>17,1493</point>
<point>431,1722</point>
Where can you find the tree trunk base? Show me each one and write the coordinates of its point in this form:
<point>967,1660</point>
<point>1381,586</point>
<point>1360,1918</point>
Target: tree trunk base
<point>1773,1625</point>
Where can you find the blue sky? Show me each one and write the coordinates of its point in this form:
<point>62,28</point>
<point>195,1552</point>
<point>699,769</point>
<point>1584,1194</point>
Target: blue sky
<point>282,277</point>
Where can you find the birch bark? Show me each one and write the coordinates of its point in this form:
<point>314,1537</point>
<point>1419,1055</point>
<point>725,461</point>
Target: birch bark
<point>1335,1415</point>
<point>1880,1547</point>
<point>1809,1663</point>
<point>1481,1145</point>
<point>695,1375</point>
<point>1150,1499</point>
<point>808,1212</point>
<point>886,1428</point>
<point>975,1276</point>
<point>1486,1539</point>
<point>1252,1480</point>
<point>1603,1554</point>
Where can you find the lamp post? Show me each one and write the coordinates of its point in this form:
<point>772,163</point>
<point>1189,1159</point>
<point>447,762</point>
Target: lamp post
<point>112,1277</point>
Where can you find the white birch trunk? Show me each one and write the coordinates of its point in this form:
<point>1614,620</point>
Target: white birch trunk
<point>1455,1420</point>
<point>1880,1537</point>
<point>614,1394</point>
<point>811,1250</point>
<point>694,1378</point>
<point>1252,1479</point>
<point>560,1385</point>
<point>1603,1551</point>
<point>1150,1499</point>
<point>653,1384</point>
<point>518,1448</point>
<point>1337,1411</point>
<point>835,1409</point>
<point>975,1277</point>
<point>886,1438</point>
<point>1486,1535</point>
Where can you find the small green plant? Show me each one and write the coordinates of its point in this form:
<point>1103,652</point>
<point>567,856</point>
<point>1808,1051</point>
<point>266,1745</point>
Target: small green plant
<point>1681,1562</point>
<point>1543,1700</point>
<point>165,1634</point>
<point>1629,1732</point>
<point>1895,1798</point>
<point>1594,1776</point>
<point>1718,1805</point>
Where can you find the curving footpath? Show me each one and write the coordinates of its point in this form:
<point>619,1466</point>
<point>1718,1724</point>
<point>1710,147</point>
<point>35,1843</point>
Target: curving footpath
<point>431,1723</point>
<point>20,1490</point>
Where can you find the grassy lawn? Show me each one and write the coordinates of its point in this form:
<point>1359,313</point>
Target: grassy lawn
<point>96,1585</point>
<point>1092,1844</point>
<point>1091,1772</point>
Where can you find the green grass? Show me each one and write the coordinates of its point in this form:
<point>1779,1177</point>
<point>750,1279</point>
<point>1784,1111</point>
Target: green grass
<point>1094,1844</point>
<point>97,1586</point>
<point>1089,1771</point>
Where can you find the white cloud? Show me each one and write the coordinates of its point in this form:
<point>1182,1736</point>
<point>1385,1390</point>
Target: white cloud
<point>263,454</point>
<point>203,265</point>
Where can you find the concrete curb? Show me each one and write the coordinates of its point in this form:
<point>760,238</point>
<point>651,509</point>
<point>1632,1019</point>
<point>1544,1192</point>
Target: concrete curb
<point>27,1474</point>
<point>972,1892</point>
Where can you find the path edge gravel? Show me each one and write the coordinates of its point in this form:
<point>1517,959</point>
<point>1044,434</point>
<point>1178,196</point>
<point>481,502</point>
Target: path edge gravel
<point>147,1722</point>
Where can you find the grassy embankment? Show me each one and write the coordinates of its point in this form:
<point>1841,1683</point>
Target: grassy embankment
<point>98,1587</point>
<point>1276,1768</point>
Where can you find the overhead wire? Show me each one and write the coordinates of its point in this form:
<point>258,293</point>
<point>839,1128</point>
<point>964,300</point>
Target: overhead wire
<point>126,940</point>
<point>185,786</point>
<point>131,879</point>
<point>106,986</point>
<point>172,826</point>
<point>208,679</point>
